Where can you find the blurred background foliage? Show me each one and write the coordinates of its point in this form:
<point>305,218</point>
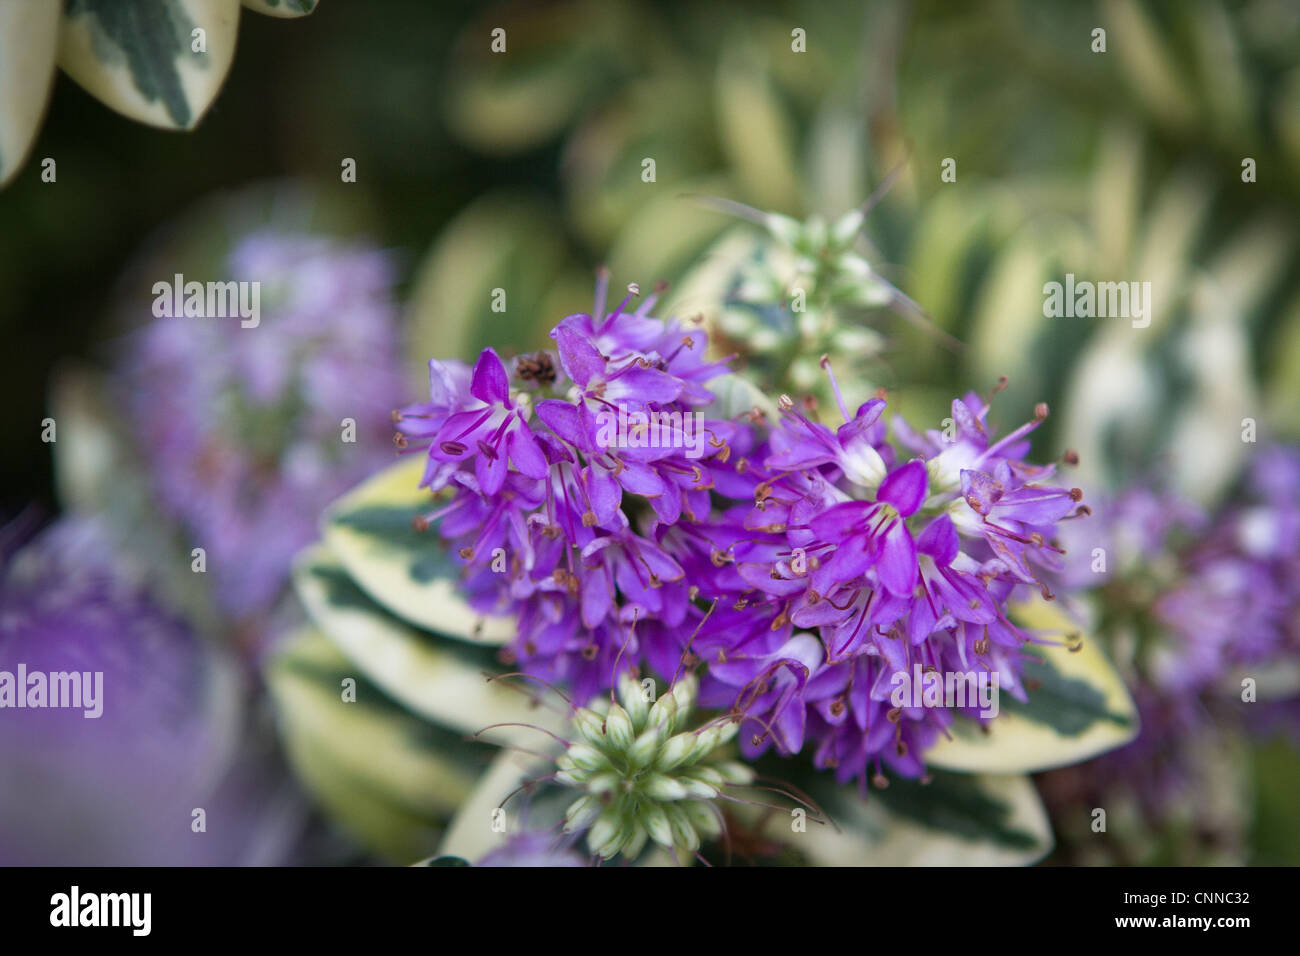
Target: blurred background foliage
<point>524,171</point>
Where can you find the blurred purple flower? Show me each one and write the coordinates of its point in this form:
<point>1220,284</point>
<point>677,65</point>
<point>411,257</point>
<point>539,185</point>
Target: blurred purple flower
<point>242,428</point>
<point>535,848</point>
<point>120,788</point>
<point>1209,600</point>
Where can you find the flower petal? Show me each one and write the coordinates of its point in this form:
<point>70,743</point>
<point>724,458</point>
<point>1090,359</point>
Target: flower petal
<point>939,540</point>
<point>489,383</point>
<point>896,565</point>
<point>581,359</point>
<point>905,487</point>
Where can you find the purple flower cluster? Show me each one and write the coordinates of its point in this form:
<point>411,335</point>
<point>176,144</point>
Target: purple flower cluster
<point>1216,593</point>
<point>114,778</point>
<point>803,566</point>
<point>1236,604</point>
<point>571,534</point>
<point>243,428</point>
<point>863,568</point>
<point>1203,601</point>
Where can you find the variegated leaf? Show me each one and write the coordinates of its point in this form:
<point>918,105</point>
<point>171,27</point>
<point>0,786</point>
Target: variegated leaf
<point>408,572</point>
<point>1078,707</point>
<point>442,680</point>
<point>157,61</point>
<point>29,35</point>
<point>281,8</point>
<point>953,820</point>
<point>389,777</point>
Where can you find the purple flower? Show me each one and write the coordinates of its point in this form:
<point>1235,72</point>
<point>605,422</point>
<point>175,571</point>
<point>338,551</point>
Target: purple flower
<point>534,848</point>
<point>1204,601</point>
<point>873,535</point>
<point>890,567</point>
<point>800,568</point>
<point>494,431</point>
<point>243,428</point>
<point>1215,592</point>
<point>561,522</point>
<point>151,734</point>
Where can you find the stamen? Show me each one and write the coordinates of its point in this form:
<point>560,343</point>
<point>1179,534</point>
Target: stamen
<point>602,289</point>
<point>825,363</point>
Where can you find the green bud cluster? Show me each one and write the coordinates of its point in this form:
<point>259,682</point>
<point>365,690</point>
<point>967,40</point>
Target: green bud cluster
<point>644,777</point>
<point>798,299</point>
<point>825,263</point>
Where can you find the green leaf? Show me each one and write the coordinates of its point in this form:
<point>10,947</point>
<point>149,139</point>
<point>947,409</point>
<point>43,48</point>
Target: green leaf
<point>470,834</point>
<point>97,471</point>
<point>1009,315</point>
<point>442,680</point>
<point>138,56</point>
<point>953,820</point>
<point>390,778</point>
<point>757,134</point>
<point>511,243</point>
<point>1152,72</point>
<point>1079,708</point>
<point>281,8</point>
<point>1283,364</point>
<point>408,572</point>
<point>659,117</point>
<point>1206,450</point>
<point>949,234</point>
<point>665,236</point>
<point>1275,780</point>
<point>518,98</point>
<point>29,35</point>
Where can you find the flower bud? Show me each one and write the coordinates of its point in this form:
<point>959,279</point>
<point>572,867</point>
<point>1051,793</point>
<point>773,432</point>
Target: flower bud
<point>618,728</point>
<point>684,834</point>
<point>733,771</point>
<point>605,837</point>
<point>663,713</point>
<point>582,813</point>
<point>655,820</point>
<point>590,725</point>
<point>587,758</point>
<point>685,691</point>
<point>632,694</point>
<point>657,786</point>
<point>678,749</point>
<point>645,748</point>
